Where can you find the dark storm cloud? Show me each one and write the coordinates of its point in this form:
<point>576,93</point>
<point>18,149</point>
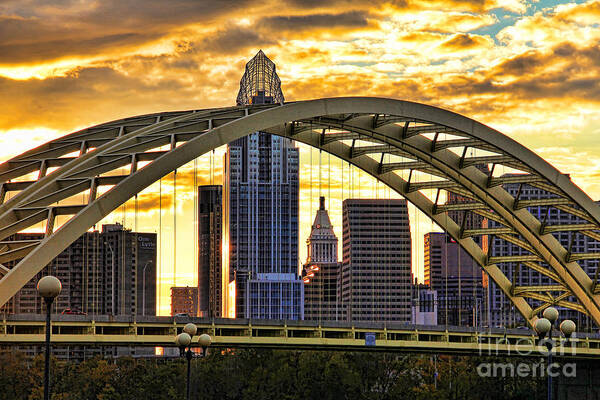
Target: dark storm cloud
<point>235,38</point>
<point>478,5</point>
<point>352,19</point>
<point>63,30</point>
<point>42,50</point>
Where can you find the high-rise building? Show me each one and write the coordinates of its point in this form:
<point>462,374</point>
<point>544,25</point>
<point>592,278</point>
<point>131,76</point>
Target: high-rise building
<point>321,273</point>
<point>260,223</point>
<point>502,312</point>
<point>210,221</point>
<point>111,272</point>
<point>130,271</point>
<point>184,300</point>
<point>376,262</point>
<point>457,280</point>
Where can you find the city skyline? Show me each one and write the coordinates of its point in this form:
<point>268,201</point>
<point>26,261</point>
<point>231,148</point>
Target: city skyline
<point>300,199</point>
<point>518,66</point>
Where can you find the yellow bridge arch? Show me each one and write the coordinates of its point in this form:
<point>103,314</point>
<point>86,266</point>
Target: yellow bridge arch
<point>426,140</point>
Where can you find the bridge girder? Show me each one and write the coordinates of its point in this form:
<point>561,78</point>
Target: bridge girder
<point>169,140</point>
<point>228,333</point>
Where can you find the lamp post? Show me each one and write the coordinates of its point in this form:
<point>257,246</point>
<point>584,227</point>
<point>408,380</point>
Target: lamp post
<point>544,326</point>
<point>144,287</point>
<point>112,259</point>
<point>48,287</point>
<point>184,340</point>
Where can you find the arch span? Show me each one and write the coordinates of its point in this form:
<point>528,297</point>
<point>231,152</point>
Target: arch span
<point>439,150</point>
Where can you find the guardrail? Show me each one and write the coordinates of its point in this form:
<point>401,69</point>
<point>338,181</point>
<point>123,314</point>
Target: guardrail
<point>236,333</point>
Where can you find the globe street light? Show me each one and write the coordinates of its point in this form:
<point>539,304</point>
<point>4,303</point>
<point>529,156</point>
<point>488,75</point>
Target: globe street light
<point>48,287</point>
<point>183,340</point>
<point>543,326</point>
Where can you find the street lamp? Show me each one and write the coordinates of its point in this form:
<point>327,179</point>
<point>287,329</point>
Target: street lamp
<point>112,259</point>
<point>544,326</point>
<point>48,287</point>
<point>183,340</point>
<point>144,287</point>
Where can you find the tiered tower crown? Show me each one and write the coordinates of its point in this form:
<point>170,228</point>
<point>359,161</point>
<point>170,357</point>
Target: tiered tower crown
<point>322,242</point>
<point>260,83</point>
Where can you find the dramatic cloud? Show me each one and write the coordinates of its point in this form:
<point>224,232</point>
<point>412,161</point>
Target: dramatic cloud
<point>464,42</point>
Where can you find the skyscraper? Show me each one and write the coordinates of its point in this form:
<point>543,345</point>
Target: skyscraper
<point>210,221</point>
<point>260,222</point>
<point>457,279</point>
<point>321,273</point>
<point>376,263</point>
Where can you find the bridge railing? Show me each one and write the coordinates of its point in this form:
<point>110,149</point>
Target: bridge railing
<point>161,331</point>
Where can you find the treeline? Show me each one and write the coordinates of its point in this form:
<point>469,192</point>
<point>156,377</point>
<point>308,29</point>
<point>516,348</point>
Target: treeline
<point>266,374</point>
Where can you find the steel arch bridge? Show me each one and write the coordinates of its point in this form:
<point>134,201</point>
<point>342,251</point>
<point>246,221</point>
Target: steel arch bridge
<point>386,138</point>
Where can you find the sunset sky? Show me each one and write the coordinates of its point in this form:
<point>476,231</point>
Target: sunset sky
<point>530,69</point>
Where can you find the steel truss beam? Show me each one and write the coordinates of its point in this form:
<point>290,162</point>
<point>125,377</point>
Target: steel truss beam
<point>201,131</point>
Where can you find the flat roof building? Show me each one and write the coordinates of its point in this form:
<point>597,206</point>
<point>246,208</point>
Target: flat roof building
<point>376,264</point>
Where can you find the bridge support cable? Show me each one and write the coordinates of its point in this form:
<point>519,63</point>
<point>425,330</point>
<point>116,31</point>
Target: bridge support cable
<point>350,122</point>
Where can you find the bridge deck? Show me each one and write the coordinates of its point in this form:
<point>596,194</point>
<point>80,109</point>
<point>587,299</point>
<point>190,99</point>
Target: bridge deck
<point>161,331</point>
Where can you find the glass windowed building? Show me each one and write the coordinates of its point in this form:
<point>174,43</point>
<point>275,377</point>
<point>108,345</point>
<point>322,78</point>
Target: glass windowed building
<point>260,196</point>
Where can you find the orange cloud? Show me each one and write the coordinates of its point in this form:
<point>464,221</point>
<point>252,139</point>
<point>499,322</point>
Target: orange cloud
<point>461,42</point>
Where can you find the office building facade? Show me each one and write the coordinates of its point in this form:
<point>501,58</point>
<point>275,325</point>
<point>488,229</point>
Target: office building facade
<point>210,222</point>
<point>456,279</point>
<point>261,189</point>
<point>376,262</point>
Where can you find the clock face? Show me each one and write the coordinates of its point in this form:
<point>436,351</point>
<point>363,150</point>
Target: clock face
<point>318,226</point>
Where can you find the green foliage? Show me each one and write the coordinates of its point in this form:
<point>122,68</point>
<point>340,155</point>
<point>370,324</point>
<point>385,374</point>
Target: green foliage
<point>267,374</point>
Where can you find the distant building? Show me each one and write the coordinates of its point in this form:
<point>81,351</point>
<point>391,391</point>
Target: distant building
<point>321,273</point>
<point>210,222</point>
<point>424,305</point>
<point>111,272</point>
<point>260,192</point>
<point>184,300</point>
<point>376,263</point>
<point>502,312</point>
<point>456,278</point>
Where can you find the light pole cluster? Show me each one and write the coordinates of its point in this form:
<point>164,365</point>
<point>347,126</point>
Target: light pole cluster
<point>48,287</point>
<point>183,341</point>
<point>543,326</point>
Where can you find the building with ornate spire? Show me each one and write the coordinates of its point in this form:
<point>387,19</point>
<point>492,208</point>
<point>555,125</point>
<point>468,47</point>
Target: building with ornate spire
<point>260,212</point>
<point>321,273</point>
